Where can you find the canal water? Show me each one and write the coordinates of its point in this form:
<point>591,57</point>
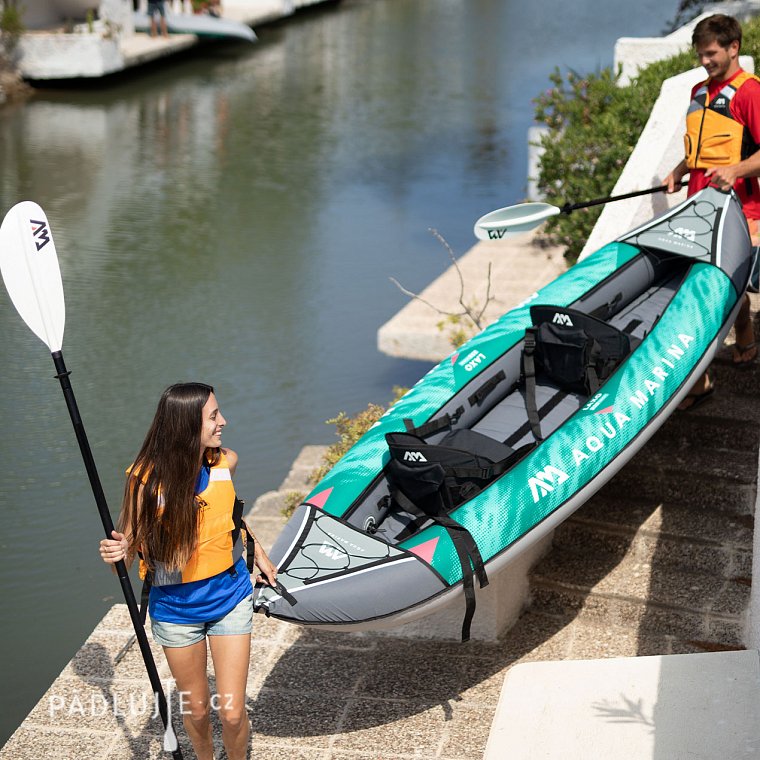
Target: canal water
<point>234,216</point>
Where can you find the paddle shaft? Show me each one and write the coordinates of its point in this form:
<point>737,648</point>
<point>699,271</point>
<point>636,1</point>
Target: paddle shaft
<point>105,517</point>
<point>569,207</point>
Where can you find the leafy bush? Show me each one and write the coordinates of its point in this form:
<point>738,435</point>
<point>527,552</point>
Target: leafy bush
<point>593,127</point>
<point>349,430</point>
<point>11,27</point>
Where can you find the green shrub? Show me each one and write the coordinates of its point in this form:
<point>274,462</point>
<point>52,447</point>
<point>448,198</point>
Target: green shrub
<point>349,430</point>
<point>11,26</point>
<point>593,127</point>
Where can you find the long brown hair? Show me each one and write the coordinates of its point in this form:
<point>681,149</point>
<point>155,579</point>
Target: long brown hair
<point>159,509</point>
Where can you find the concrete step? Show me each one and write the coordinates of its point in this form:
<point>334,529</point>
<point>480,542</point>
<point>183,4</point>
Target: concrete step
<point>723,423</point>
<point>723,488</point>
<point>652,598</point>
<point>723,558</point>
<point>660,458</point>
<point>654,516</point>
<point>692,705</point>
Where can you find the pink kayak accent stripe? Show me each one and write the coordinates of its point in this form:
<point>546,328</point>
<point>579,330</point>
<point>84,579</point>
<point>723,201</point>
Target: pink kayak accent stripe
<point>426,551</point>
<point>320,499</point>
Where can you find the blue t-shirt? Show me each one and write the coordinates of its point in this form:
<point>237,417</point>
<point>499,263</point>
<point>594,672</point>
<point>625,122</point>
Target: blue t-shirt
<point>205,600</point>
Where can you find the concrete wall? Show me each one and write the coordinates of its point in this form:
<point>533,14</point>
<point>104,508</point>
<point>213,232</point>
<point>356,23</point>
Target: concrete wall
<point>50,56</point>
<point>39,14</point>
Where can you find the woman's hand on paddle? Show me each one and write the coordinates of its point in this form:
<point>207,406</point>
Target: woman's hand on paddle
<point>267,571</point>
<point>113,550</point>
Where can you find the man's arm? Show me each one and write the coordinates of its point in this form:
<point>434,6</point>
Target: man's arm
<point>726,176</point>
<point>746,109</point>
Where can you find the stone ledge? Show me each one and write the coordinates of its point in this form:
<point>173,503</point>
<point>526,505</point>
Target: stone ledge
<point>695,705</point>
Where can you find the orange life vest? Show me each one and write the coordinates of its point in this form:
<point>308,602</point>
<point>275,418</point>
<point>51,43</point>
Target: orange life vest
<point>713,137</point>
<point>220,542</point>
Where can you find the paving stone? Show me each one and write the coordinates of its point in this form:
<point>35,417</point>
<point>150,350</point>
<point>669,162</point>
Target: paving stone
<point>270,751</point>
<point>432,677</point>
<point>467,733</point>
<point>303,721</point>
<point>33,742</point>
<point>323,673</point>
<point>723,424</point>
<point>662,460</point>
<point>588,539</point>
<point>146,746</point>
<point>405,726</point>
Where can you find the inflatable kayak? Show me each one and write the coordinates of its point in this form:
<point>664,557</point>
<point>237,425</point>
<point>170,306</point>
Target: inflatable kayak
<point>200,24</point>
<point>504,439</point>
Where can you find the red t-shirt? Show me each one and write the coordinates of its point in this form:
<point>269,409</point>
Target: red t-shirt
<point>745,108</point>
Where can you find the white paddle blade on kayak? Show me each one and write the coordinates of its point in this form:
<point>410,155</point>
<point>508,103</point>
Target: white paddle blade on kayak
<point>513,220</point>
<point>29,266</point>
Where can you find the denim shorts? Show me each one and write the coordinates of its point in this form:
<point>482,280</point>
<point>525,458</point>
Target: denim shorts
<point>239,620</point>
<point>156,6</point>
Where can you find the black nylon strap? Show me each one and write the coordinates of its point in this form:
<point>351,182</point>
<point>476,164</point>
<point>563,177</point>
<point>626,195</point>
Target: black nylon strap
<point>428,428</point>
<point>529,370</point>
<point>606,310</point>
<point>467,551</point>
<point>592,379</point>
<point>555,400</point>
<point>250,546</point>
<point>485,389</point>
<point>285,594</point>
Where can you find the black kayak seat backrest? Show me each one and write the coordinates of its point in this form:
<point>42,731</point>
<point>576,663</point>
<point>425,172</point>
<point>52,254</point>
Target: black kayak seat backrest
<point>419,469</point>
<point>576,350</point>
<point>459,448</point>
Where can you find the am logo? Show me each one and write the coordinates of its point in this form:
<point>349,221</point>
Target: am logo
<point>41,233</point>
<point>545,481</point>
<point>333,552</point>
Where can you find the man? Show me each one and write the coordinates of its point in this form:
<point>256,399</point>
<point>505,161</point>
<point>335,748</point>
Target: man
<point>722,146</point>
<point>157,7</point>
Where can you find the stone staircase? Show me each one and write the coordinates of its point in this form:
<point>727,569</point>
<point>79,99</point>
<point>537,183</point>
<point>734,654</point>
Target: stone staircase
<point>660,560</point>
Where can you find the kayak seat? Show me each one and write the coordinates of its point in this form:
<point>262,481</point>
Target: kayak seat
<point>451,471</point>
<point>428,481</point>
<point>573,350</point>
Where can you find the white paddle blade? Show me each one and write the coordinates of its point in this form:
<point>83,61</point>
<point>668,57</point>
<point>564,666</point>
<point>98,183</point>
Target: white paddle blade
<point>29,266</point>
<point>513,220</point>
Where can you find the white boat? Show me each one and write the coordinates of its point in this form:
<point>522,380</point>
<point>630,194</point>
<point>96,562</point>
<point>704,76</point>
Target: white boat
<point>200,24</point>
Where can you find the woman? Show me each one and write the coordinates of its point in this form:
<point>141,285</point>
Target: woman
<point>179,513</point>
